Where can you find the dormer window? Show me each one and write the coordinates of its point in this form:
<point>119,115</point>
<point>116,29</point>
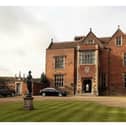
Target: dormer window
<point>118,41</point>
<point>90,41</point>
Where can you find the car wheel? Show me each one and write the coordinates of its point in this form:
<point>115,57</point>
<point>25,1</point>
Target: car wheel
<point>60,94</point>
<point>43,94</point>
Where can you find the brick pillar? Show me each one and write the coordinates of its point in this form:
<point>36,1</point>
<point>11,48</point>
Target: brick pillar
<point>97,71</point>
<point>78,89</point>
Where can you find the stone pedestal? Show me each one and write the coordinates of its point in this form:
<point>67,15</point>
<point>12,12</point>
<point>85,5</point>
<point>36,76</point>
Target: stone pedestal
<point>28,103</point>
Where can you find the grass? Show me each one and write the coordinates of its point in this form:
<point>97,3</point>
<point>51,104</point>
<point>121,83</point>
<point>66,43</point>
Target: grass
<point>61,111</point>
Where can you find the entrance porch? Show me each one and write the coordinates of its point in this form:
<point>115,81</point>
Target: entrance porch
<point>87,87</point>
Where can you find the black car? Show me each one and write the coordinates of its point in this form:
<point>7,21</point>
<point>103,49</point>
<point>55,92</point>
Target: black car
<point>52,92</point>
<point>6,92</point>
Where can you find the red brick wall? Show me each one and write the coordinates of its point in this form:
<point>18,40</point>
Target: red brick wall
<point>89,47</point>
<point>110,63</point>
<point>91,72</point>
<point>117,68</point>
<point>24,88</point>
<point>68,71</point>
<point>10,85</point>
<point>36,88</point>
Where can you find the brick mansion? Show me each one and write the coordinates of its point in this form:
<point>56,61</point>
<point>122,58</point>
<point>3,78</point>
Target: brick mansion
<point>88,65</point>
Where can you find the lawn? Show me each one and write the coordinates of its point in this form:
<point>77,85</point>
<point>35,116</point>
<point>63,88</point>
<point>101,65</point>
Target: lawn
<point>61,111</point>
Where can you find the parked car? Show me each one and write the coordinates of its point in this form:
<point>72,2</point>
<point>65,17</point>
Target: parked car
<point>52,92</point>
<point>4,91</point>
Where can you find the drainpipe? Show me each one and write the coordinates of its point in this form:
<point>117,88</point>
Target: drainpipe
<point>78,47</point>
<point>97,71</point>
<point>109,69</point>
<point>108,76</point>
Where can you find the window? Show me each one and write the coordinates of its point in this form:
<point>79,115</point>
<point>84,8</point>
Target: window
<point>124,77</point>
<point>59,80</point>
<point>59,62</point>
<point>90,41</point>
<point>87,57</point>
<point>125,59</point>
<point>118,41</point>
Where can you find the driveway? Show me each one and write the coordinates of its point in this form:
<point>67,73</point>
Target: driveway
<point>118,101</point>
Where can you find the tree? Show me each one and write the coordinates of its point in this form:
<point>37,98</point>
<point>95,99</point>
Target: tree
<point>43,79</point>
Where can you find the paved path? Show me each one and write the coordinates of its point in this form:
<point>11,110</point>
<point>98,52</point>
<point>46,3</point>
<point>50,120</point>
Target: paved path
<point>109,100</point>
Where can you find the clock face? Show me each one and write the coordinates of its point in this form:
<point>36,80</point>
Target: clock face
<point>87,69</point>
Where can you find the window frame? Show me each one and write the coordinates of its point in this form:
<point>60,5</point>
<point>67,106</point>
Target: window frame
<point>59,80</point>
<point>90,42</point>
<point>88,59</point>
<point>124,80</point>
<point>118,41</point>
<point>57,60</point>
<point>124,59</point>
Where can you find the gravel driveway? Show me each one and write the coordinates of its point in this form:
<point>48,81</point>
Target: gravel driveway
<point>108,100</point>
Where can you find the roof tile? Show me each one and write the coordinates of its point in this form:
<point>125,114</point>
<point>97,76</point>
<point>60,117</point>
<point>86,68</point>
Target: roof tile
<point>73,44</point>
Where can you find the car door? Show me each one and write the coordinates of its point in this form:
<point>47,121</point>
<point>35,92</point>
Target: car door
<point>52,92</point>
<point>55,92</point>
<point>47,92</point>
<point>3,92</point>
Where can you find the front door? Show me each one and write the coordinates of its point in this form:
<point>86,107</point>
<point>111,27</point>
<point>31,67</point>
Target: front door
<point>86,86</point>
<point>18,88</point>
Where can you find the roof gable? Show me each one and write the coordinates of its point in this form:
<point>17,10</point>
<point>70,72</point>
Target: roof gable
<point>83,40</point>
<point>91,36</point>
<point>117,33</point>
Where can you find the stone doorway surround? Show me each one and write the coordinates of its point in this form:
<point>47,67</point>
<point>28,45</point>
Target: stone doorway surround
<point>18,88</point>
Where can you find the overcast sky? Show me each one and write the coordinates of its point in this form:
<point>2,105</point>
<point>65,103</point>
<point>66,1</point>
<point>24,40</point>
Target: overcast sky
<point>25,32</point>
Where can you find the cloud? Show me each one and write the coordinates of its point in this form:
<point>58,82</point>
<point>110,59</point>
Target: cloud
<point>22,39</point>
<point>25,32</point>
<point>5,71</point>
<point>19,52</point>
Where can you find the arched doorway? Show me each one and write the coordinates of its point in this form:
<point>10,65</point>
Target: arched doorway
<point>86,86</point>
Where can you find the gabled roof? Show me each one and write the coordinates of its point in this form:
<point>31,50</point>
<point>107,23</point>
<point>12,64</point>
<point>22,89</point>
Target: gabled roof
<point>97,40</point>
<point>3,80</point>
<point>117,31</point>
<point>102,39</point>
<point>62,45</point>
<point>72,44</point>
<point>76,38</point>
<point>90,33</point>
<point>80,39</point>
<point>105,39</point>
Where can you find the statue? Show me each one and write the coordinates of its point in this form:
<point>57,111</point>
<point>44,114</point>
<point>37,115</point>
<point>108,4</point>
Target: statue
<point>87,87</point>
<point>29,84</point>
